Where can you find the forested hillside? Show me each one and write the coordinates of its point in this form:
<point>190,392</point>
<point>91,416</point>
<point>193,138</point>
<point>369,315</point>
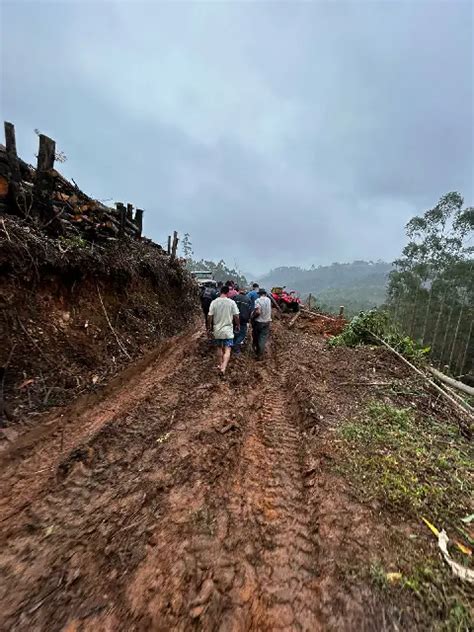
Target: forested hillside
<point>358,285</point>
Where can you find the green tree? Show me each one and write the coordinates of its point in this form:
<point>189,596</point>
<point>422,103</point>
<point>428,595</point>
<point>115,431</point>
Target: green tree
<point>431,289</point>
<point>187,246</point>
<point>220,271</point>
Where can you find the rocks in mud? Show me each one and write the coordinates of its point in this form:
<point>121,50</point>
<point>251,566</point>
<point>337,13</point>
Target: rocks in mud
<point>205,593</point>
<point>227,427</point>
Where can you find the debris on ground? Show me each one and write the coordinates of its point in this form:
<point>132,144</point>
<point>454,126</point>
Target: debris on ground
<point>251,516</point>
<point>318,323</point>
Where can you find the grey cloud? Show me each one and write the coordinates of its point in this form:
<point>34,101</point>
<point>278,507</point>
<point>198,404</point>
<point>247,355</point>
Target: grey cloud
<point>290,133</point>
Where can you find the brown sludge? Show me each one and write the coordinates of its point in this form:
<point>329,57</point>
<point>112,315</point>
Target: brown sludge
<point>181,502</point>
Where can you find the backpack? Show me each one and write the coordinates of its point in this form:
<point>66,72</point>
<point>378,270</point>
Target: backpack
<point>245,307</point>
<point>208,293</point>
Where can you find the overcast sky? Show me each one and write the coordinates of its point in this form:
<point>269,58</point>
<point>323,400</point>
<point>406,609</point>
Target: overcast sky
<point>286,133</point>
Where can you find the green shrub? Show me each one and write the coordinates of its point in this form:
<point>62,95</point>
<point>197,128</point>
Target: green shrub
<point>362,328</point>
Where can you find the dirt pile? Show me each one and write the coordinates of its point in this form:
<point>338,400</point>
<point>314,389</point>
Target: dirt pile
<point>322,324</point>
<point>73,312</point>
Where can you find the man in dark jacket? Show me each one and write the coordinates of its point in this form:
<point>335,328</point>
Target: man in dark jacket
<point>207,294</point>
<point>244,303</point>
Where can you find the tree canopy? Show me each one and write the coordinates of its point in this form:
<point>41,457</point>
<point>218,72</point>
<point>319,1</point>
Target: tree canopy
<point>431,289</point>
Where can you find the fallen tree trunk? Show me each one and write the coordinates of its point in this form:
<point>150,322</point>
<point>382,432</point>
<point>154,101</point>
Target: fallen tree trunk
<point>317,315</point>
<point>294,319</point>
<point>451,381</point>
<point>464,407</point>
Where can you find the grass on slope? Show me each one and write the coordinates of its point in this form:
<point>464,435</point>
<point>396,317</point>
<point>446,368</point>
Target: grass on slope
<point>415,464</point>
<point>415,467</point>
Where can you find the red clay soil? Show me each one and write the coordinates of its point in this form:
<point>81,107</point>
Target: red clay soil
<point>73,314</point>
<point>182,502</point>
<point>322,324</point>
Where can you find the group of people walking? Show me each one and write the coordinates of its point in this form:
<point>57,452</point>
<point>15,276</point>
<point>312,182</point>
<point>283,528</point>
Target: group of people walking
<point>228,311</point>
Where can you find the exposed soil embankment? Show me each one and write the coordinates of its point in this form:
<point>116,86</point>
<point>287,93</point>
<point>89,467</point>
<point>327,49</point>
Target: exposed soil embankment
<point>72,313</point>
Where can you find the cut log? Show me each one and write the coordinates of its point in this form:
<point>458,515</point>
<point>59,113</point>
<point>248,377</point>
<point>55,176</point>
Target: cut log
<point>451,381</point>
<point>44,189</point>
<point>294,319</point>
<point>464,407</point>
<point>317,315</point>
<point>13,170</point>
<point>47,148</point>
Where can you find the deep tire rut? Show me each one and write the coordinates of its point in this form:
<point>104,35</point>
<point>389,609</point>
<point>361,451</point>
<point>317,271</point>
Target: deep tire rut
<point>254,560</point>
<point>189,512</point>
<point>272,500</point>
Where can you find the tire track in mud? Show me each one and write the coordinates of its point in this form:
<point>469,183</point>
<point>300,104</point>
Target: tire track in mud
<point>188,512</point>
<point>246,560</point>
<point>37,453</point>
<point>269,496</point>
<point>95,525</point>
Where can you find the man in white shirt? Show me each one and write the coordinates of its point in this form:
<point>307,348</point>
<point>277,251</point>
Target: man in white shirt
<point>261,319</point>
<point>222,321</point>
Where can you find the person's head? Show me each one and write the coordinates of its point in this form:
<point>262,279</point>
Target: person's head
<point>255,286</point>
<point>219,284</point>
<point>236,288</point>
<point>262,291</point>
<point>225,290</point>
<point>243,290</point>
<point>229,283</point>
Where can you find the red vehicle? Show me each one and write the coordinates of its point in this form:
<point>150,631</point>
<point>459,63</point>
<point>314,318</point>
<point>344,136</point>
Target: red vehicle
<point>287,301</point>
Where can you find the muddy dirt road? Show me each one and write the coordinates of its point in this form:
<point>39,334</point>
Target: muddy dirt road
<point>176,502</point>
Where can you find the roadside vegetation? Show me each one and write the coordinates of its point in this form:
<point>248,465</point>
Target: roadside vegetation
<point>369,327</point>
<point>417,467</point>
<point>410,462</point>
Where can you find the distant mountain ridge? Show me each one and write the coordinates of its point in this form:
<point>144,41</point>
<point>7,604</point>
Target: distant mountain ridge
<point>358,285</point>
<point>336,275</point>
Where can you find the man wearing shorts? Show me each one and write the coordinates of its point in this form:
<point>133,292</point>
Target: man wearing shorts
<point>222,321</point>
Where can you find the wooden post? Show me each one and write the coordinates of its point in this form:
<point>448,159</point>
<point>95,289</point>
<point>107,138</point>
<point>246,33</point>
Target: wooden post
<point>169,245</point>
<point>12,156</point>
<point>130,212</point>
<point>341,311</point>
<point>10,175</point>
<point>139,221</point>
<point>174,247</point>
<point>47,149</point>
<point>122,216</point>
<point>310,297</point>
<point>44,182</point>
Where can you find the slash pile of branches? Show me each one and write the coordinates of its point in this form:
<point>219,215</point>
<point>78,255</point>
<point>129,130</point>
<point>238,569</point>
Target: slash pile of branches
<point>45,197</point>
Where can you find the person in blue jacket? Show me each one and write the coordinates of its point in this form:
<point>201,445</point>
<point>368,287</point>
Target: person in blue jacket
<point>253,294</point>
